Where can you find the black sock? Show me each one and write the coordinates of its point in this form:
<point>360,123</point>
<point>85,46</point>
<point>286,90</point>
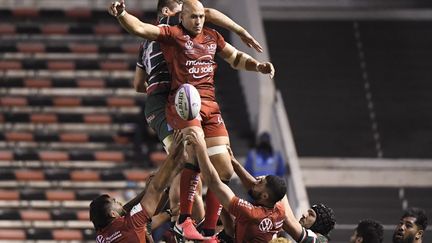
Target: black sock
<point>208,232</point>
<point>182,218</point>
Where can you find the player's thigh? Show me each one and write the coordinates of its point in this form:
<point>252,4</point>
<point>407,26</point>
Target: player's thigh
<point>219,156</point>
<point>155,116</point>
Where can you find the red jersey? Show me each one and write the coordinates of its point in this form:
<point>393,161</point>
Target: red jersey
<point>191,58</point>
<point>256,223</point>
<point>130,228</point>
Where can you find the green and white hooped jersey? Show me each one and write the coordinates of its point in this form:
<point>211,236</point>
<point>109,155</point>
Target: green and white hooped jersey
<point>308,236</point>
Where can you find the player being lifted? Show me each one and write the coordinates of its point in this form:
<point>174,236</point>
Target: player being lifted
<point>190,49</point>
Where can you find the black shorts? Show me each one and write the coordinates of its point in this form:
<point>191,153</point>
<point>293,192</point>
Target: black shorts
<point>155,114</point>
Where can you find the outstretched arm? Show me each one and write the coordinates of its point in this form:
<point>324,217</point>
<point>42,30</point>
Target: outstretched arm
<point>242,61</point>
<point>131,23</point>
<point>164,175</point>
<point>291,224</point>
<point>209,173</point>
<point>247,179</point>
<point>218,18</point>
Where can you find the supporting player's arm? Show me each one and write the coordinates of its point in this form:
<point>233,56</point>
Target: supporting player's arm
<point>246,178</point>
<point>131,23</point>
<point>242,61</point>
<point>291,225</point>
<point>209,173</point>
<point>216,17</point>
<point>165,174</point>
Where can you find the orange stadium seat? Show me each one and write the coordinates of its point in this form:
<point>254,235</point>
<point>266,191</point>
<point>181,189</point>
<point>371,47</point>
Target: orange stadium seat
<point>53,156</point>
<point>7,29</point>
<point>90,83</point>
<point>10,65</point>
<point>30,47</point>
<point>83,48</point>
<point>37,83</point>
<point>107,29</point>
<point>25,12</point>
<point>110,156</point>
<point>114,65</point>
<point>130,48</point>
<point>35,215</point>
<point>67,235</point>
<point>61,65</point>
<point>120,102</point>
<point>9,195</point>
<point>78,13</point>
<point>57,195</point>
<point>19,136</point>
<point>85,176</point>
<point>58,29</point>
<point>12,234</point>
<point>67,101</point>
<point>136,175</point>
<point>74,137</point>
<point>157,157</point>
<point>13,101</point>
<point>97,119</point>
<point>43,118</point>
<point>29,175</point>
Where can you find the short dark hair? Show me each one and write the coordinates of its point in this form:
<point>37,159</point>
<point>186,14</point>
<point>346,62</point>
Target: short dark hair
<point>371,231</point>
<point>420,215</point>
<point>167,3</point>
<point>100,209</point>
<point>325,219</point>
<point>277,188</point>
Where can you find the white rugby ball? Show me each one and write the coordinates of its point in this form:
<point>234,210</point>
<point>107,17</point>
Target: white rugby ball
<point>187,102</point>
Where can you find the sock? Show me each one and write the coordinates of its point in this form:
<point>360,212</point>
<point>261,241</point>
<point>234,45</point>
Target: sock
<point>188,185</point>
<point>213,209</point>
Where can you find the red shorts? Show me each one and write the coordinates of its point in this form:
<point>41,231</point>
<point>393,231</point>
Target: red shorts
<point>210,119</point>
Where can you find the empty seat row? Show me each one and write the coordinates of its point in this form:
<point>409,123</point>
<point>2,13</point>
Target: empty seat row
<point>52,195</point>
<point>49,118</point>
<point>37,214</point>
<point>73,155</point>
<point>32,64</point>
<point>73,14</point>
<point>86,83</point>
<point>69,137</point>
<point>75,175</point>
<point>46,234</point>
<point>62,29</point>
<point>94,101</point>
<point>43,47</point>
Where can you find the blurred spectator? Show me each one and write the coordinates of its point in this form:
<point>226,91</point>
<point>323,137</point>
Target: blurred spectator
<point>368,231</point>
<point>263,160</point>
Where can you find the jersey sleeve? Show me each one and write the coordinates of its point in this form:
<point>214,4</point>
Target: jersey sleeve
<point>140,62</point>
<point>241,208</point>
<point>137,217</point>
<point>167,34</point>
<point>220,41</point>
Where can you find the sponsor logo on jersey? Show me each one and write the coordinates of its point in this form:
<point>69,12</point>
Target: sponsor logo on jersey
<point>189,45</point>
<point>244,203</point>
<point>200,67</point>
<point>265,225</point>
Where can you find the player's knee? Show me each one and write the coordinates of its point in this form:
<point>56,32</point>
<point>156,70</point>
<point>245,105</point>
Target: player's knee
<point>221,160</point>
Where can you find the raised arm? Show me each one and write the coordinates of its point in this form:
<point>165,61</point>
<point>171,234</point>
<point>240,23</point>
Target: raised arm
<point>131,23</point>
<point>242,61</point>
<point>246,178</point>
<point>209,173</point>
<point>291,225</point>
<point>164,176</point>
<point>216,17</point>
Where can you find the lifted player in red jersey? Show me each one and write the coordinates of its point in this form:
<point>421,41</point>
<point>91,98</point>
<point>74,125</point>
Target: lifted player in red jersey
<point>190,49</point>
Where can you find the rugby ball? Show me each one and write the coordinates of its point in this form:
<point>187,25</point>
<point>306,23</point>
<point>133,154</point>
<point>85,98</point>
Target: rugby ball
<point>187,102</point>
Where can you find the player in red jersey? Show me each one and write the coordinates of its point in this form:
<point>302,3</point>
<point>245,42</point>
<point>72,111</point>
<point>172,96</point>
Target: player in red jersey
<point>257,222</point>
<point>190,49</point>
<point>116,223</point>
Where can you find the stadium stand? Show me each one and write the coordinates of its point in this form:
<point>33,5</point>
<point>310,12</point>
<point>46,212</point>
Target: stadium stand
<point>71,125</point>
